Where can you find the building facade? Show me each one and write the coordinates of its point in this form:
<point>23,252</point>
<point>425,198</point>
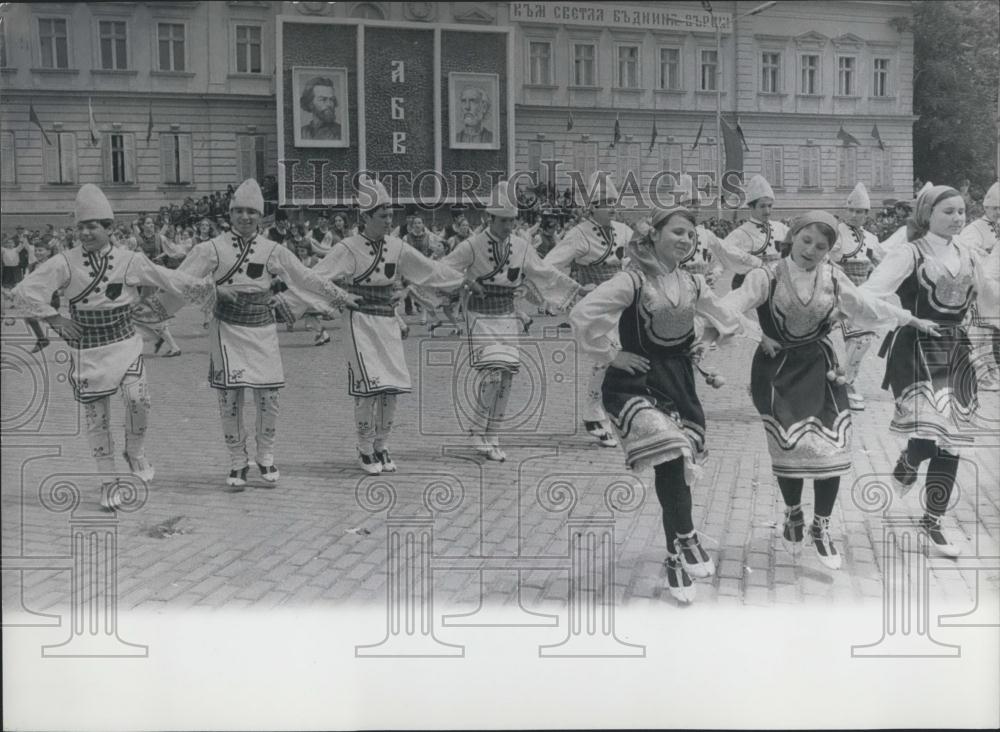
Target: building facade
<point>159,101</point>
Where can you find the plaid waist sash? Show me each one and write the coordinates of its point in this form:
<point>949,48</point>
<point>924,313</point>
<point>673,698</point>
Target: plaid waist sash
<point>375,299</point>
<point>102,327</point>
<point>495,300</point>
<point>594,274</point>
<point>856,270</point>
<point>250,309</point>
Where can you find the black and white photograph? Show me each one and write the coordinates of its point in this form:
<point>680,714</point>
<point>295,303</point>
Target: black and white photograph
<point>500,365</point>
<point>320,99</point>
<point>475,111</point>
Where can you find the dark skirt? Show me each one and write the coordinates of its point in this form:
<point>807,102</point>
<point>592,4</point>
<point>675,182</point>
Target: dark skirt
<point>657,415</point>
<point>934,384</point>
<point>806,416</point>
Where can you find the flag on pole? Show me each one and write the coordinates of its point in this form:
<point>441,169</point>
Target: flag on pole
<point>706,5</point>
<point>33,118</point>
<point>149,125</point>
<point>569,121</point>
<point>733,143</point>
<point>743,138</point>
<point>878,137</point>
<point>846,137</point>
<point>617,134</point>
<point>95,136</point>
<point>697,138</point>
<point>652,140</point>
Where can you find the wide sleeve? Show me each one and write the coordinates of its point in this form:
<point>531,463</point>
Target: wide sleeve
<point>595,318</point>
<point>200,261</point>
<point>866,310</point>
<point>32,296</point>
<point>568,250</point>
<point>422,270</point>
<point>558,289</point>
<point>297,276</point>
<point>751,294</point>
<point>731,257</point>
<point>724,317</point>
<point>337,266</point>
<point>191,287</point>
<point>987,274</point>
<point>889,274</point>
<point>461,257</point>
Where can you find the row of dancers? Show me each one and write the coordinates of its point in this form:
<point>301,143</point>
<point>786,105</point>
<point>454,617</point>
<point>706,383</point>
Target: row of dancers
<point>639,310</point>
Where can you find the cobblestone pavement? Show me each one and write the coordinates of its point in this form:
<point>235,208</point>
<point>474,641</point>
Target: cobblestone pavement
<point>500,531</point>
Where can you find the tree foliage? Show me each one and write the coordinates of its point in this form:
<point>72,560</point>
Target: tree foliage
<point>956,83</point>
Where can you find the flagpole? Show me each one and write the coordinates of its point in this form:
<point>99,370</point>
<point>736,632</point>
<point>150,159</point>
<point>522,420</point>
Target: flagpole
<point>718,117</point>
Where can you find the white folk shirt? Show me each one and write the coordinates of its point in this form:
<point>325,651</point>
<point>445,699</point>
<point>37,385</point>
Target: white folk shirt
<point>857,244</point>
<point>724,256</point>
<point>761,239</point>
<point>585,244</point>
<point>982,235</point>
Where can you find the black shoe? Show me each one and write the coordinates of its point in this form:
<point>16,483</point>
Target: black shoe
<point>904,476</point>
<point>158,345</point>
<point>931,525</point>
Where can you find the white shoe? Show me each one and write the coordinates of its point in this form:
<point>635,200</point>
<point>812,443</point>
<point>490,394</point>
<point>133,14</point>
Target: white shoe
<point>602,433</point>
<point>369,463</point>
<point>479,443</point>
<point>932,527</point>
<point>825,548</point>
<point>989,383</point>
<point>141,467</point>
<point>269,472</point>
<point>693,557</point>
<point>679,581</point>
<point>388,466</point>
<point>111,496</point>
<point>496,454</point>
<point>855,401</point>
<point>237,477</point>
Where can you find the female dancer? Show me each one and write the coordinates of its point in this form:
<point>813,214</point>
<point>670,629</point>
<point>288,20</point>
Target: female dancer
<point>795,380</point>
<point>649,387</point>
<point>930,375</point>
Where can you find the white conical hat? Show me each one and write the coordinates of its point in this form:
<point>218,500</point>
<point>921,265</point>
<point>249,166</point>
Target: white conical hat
<point>248,195</point>
<point>758,188</point>
<point>859,197</point>
<point>502,203</point>
<point>92,204</point>
<point>992,197</point>
<point>372,194</point>
<point>600,187</point>
<point>684,192</point>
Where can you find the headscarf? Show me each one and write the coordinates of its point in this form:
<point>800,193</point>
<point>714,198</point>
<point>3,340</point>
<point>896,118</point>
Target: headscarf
<point>920,222</point>
<point>807,219</point>
<point>640,249</point>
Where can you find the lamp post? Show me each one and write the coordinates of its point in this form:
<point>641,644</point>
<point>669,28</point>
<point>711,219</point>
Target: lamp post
<point>718,94</point>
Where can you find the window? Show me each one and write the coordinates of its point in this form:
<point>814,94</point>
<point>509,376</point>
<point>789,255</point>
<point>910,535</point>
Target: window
<point>706,163</point>
<point>628,67</point>
<point>770,64</point>
<point>585,159</point>
<point>809,157</point>
<point>170,37</point>
<point>709,62</point>
<point>119,158</point>
<point>809,79</point>
<point>114,45</point>
<point>540,62</point>
<point>583,64</point>
<point>541,157</point>
<point>371,11</point>
<point>248,49</point>
<point>53,43</point>
<point>3,45</point>
<point>250,162</point>
<point>847,167</point>
<point>628,163</point>
<point>880,84</point>
<point>846,67</point>
<point>8,171</point>
<point>670,68</point>
<point>881,168</point>
<point>59,158</point>
<point>671,159</point>
<point>175,158</point>
<point>771,165</point>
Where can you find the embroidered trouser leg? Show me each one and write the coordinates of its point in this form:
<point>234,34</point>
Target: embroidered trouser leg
<point>364,421</point>
<point>593,407</point>
<point>97,417</point>
<point>856,347</point>
<point>231,412</point>
<point>135,397</point>
<point>498,409</point>
<point>385,413</point>
<point>267,424</point>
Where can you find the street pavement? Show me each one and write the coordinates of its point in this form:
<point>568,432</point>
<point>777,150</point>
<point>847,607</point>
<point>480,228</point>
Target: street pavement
<point>501,532</point>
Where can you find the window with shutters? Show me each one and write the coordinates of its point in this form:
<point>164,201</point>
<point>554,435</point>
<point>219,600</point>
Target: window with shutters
<point>53,43</point>
<point>671,158</point>
<point>114,45</point>
<point>8,167</point>
<point>708,66</point>
<point>772,167</point>
<point>809,163</point>
<point>770,68</point>
<point>584,56</point>
<point>250,160</point>
<point>540,62</point>
<point>170,38</point>
<point>119,158</point>
<point>809,74</point>
<point>847,76</point>
<point>880,82</point>
<point>59,158</point>
<point>628,162</point>
<point>585,159</point>
<point>628,67</point>
<point>670,68</point>
<point>175,158</point>
<point>248,49</point>
<point>881,168</point>
<point>541,159</point>
<point>847,167</point>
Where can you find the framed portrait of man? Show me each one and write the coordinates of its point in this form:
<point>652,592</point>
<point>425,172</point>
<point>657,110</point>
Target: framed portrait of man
<point>475,103</point>
<point>319,96</point>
